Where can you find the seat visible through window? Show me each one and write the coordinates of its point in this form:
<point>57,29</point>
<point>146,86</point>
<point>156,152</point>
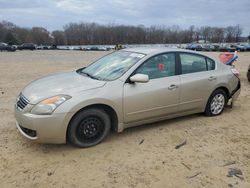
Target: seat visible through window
<point>198,66</point>
<point>191,63</point>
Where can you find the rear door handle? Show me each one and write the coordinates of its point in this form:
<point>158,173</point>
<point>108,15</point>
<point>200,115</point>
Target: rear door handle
<point>211,78</point>
<point>171,87</point>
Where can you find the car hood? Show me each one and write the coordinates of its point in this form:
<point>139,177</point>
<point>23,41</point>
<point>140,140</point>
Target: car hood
<point>67,83</point>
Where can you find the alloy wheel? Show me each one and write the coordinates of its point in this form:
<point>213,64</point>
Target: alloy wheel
<point>217,104</point>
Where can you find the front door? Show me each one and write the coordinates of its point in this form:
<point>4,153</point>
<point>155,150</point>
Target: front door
<point>156,98</point>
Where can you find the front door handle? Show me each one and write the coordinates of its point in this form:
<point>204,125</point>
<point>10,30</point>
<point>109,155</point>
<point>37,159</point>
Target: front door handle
<point>211,78</point>
<point>172,87</point>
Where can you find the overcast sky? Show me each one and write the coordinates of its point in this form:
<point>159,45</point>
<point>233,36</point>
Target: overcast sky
<point>53,14</point>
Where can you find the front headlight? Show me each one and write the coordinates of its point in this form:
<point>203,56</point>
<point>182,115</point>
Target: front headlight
<point>49,105</point>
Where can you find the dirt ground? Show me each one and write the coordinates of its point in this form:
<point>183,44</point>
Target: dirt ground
<point>121,161</point>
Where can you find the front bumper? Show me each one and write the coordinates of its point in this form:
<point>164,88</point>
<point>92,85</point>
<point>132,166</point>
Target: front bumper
<point>43,128</point>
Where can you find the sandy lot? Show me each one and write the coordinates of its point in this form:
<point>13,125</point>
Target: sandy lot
<point>121,161</point>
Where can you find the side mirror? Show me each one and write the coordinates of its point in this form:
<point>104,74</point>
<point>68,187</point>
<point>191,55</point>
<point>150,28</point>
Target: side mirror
<point>140,78</point>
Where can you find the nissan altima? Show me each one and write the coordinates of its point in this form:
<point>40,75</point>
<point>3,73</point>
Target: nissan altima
<point>126,88</point>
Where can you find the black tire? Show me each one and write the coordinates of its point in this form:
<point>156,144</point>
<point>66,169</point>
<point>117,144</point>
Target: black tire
<point>210,110</point>
<point>89,127</point>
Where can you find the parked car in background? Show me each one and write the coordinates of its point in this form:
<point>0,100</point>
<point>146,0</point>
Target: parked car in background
<point>247,46</point>
<point>248,73</point>
<point>6,47</point>
<point>43,47</point>
<point>46,47</point>
<point>39,47</point>
<point>216,47</point>
<point>54,47</point>
<point>195,47</point>
<point>15,46</point>
<point>94,48</point>
<point>226,48</point>
<point>208,47</point>
<point>126,88</point>
<point>27,46</point>
<point>239,47</point>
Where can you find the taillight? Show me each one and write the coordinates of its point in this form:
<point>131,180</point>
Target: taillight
<point>235,72</point>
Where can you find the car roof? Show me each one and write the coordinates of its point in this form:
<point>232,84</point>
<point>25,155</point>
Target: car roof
<point>157,50</point>
<point>3,43</point>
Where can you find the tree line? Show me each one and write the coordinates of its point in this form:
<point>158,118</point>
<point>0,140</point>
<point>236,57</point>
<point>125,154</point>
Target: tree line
<point>93,34</point>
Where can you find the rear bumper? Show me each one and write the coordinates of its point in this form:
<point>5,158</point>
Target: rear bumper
<point>236,92</point>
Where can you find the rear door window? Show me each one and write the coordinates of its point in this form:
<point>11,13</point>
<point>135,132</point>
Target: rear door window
<point>191,63</point>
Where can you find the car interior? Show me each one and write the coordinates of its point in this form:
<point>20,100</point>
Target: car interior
<point>159,66</point>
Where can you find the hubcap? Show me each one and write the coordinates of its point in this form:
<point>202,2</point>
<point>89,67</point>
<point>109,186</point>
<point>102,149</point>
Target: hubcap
<point>217,104</point>
<point>90,129</point>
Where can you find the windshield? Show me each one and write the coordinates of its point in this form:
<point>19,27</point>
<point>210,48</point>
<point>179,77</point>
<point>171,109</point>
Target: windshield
<point>112,66</point>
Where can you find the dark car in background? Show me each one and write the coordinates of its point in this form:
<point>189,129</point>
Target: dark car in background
<point>248,73</point>
<point>6,47</point>
<point>27,46</point>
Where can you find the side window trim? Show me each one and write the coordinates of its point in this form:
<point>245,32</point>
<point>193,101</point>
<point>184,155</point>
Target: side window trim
<point>178,64</point>
<point>213,67</point>
<point>206,63</point>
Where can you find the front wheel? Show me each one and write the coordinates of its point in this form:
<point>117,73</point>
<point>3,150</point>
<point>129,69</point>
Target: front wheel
<point>216,103</point>
<point>89,127</point>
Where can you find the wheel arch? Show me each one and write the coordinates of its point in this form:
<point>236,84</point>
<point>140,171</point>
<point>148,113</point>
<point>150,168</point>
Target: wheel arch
<point>207,110</point>
<point>222,87</point>
<point>226,90</point>
<point>107,108</point>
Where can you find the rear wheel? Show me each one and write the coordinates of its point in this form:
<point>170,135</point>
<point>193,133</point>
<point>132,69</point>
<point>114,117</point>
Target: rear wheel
<point>89,127</point>
<point>216,103</point>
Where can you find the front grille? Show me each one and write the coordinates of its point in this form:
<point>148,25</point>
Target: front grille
<point>22,102</point>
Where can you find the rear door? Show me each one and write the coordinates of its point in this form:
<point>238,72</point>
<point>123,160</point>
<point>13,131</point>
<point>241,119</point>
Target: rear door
<point>197,79</point>
<point>156,98</point>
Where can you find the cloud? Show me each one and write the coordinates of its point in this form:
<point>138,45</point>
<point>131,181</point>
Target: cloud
<point>53,14</point>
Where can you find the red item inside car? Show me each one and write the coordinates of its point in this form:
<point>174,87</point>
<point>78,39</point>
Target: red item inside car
<point>161,66</point>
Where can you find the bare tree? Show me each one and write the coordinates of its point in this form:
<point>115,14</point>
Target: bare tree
<point>93,33</point>
<point>40,35</point>
<point>59,37</point>
<point>238,32</point>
